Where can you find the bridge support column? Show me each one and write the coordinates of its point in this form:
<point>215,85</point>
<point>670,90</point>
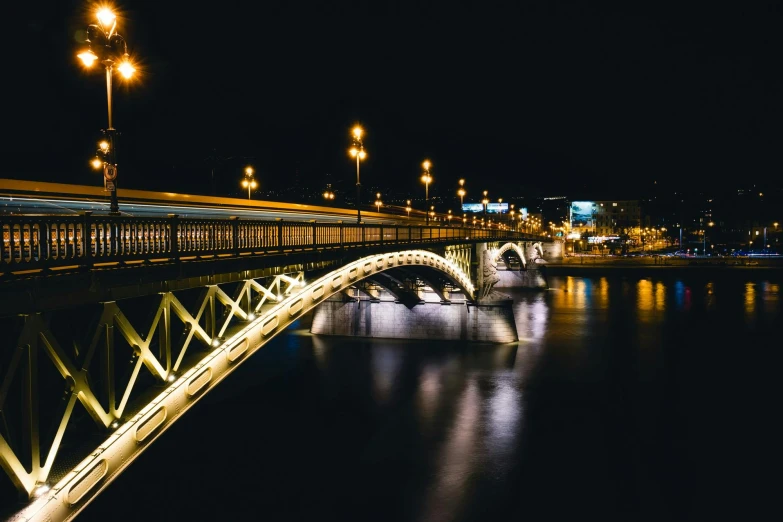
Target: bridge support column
<point>492,322</point>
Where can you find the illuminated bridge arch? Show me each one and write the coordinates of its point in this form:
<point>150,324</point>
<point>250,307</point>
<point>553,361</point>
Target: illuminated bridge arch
<point>276,310</point>
<point>510,246</point>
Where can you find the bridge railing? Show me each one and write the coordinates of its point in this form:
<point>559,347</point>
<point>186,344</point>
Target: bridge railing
<point>34,242</point>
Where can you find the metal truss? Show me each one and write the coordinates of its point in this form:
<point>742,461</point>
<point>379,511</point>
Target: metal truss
<point>36,337</point>
<point>257,312</point>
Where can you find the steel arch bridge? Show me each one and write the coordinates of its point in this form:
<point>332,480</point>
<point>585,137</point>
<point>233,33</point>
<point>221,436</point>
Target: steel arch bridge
<point>496,254</point>
<point>254,316</point>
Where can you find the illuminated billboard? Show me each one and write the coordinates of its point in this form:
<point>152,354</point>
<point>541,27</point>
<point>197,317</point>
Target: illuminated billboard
<point>492,208</point>
<point>582,213</point>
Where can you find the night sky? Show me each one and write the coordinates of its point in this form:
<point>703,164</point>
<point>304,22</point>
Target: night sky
<point>515,97</point>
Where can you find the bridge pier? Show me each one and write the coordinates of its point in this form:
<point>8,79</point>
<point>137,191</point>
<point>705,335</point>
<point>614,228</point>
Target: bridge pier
<point>462,321</point>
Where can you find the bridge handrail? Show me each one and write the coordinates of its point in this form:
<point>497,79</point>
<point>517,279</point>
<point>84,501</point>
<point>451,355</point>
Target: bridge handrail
<point>35,242</point>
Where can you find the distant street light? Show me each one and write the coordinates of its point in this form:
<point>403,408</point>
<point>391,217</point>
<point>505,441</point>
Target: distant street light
<point>485,202</point>
<point>408,207</point>
<point>378,201</point>
<point>249,182</point>
<point>461,193</point>
<point>448,216</point>
<point>111,49</point>
<point>357,151</point>
<point>427,179</point>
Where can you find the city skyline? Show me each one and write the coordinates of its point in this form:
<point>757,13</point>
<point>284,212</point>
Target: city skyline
<point>556,98</point>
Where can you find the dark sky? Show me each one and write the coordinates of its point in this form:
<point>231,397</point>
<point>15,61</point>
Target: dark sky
<point>511,96</point>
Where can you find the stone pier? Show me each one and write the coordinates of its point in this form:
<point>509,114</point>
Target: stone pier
<point>458,321</point>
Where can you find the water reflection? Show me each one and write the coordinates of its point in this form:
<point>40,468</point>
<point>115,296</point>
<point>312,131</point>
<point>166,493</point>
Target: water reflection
<point>594,410</point>
<point>709,298</point>
<point>456,461</point>
<point>385,363</point>
<point>505,412</point>
<point>750,299</point>
<point>603,293</point>
<point>531,316</point>
<point>644,293</point>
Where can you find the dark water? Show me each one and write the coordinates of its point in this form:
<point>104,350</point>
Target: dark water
<point>621,401</point>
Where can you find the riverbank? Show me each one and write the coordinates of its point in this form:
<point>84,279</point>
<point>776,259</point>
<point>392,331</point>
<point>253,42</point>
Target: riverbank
<point>595,265</point>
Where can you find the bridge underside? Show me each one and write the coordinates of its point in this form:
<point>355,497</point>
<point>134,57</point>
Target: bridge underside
<point>95,383</point>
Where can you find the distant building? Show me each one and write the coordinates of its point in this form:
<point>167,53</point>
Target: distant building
<point>605,218</point>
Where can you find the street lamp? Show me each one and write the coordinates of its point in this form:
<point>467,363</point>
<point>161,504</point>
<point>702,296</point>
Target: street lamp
<point>461,193</point>
<point>357,151</point>
<point>427,179</point>
<point>378,201</point>
<point>408,208</point>
<point>431,214</point>
<point>448,216</point>
<point>111,49</point>
<point>249,182</point>
<point>485,202</point>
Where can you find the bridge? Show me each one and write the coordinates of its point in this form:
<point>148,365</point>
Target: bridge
<point>116,325</point>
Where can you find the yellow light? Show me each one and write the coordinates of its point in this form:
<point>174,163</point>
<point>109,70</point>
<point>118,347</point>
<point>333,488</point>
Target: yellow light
<point>249,171</point>
<point>461,192</point>
<point>362,154</point>
<point>96,163</point>
<point>245,183</point>
<point>87,57</point>
<point>426,178</point>
<point>353,152</point>
<point>357,132</point>
<point>378,195</point>
<point>103,145</point>
<point>105,16</point>
<point>126,68</point>
<point>253,184</point>
<point>426,165</point>
<point>461,182</point>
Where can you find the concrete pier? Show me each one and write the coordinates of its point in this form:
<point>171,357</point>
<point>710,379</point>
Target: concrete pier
<point>491,322</point>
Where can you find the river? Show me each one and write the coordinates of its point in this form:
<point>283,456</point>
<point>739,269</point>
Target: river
<point>614,404</point>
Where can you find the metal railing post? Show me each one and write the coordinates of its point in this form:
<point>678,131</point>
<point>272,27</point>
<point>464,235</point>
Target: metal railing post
<point>86,239</point>
<point>314,237</point>
<point>235,234</point>
<point>280,235</point>
<point>174,237</point>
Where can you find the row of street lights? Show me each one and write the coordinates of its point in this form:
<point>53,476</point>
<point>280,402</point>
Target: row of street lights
<point>107,46</point>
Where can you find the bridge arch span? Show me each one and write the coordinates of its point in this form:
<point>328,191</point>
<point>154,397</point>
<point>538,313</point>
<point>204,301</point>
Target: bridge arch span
<point>62,501</point>
<point>510,246</point>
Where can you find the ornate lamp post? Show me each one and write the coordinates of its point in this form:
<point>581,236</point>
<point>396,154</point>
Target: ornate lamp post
<point>427,179</point>
<point>408,207</point>
<point>357,151</point>
<point>378,201</point>
<point>249,182</point>
<point>105,45</point>
<point>461,193</point>
<point>485,202</point>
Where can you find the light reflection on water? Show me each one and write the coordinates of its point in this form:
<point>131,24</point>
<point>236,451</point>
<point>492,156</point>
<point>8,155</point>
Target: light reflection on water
<point>599,408</point>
